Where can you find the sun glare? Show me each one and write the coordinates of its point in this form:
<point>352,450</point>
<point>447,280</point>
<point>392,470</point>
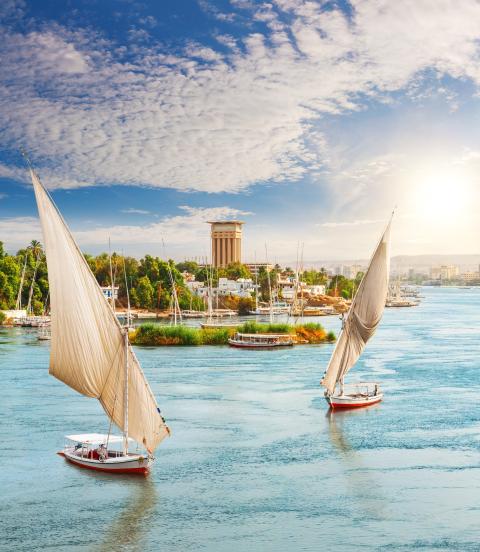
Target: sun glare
<point>443,197</point>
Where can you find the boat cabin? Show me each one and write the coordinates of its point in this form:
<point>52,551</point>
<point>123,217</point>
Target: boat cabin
<point>91,445</point>
<point>260,340</point>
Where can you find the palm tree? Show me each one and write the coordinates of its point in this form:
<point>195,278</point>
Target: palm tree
<point>36,248</point>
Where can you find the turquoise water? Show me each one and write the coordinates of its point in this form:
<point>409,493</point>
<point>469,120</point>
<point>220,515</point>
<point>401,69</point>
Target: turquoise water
<point>255,463</point>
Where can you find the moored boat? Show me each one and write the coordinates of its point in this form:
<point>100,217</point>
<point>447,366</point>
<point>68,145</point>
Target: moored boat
<point>260,341</point>
<point>359,325</point>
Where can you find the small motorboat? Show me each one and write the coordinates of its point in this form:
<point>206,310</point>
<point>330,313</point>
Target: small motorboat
<point>96,451</point>
<point>260,341</point>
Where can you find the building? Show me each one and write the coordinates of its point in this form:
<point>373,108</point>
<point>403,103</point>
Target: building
<point>444,272</point>
<point>254,268</point>
<point>470,276</point>
<point>243,287</point>
<point>226,242</point>
<point>107,292</point>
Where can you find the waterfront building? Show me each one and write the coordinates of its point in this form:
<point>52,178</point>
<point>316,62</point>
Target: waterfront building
<point>470,276</point>
<point>107,292</point>
<point>444,272</point>
<point>226,239</point>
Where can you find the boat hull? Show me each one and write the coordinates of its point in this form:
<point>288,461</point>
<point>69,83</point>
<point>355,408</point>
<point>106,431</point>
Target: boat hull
<point>257,346</point>
<point>137,464</point>
<point>352,401</point>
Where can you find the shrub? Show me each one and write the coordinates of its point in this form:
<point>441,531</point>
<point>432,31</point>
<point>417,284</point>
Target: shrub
<point>216,336</point>
<point>331,337</point>
<point>155,334</point>
<point>3,317</point>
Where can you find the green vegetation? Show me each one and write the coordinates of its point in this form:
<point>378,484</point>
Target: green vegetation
<point>154,334</point>
<point>255,327</point>
<point>148,279</point>
<point>344,287</point>
<point>157,335</point>
<point>3,317</point>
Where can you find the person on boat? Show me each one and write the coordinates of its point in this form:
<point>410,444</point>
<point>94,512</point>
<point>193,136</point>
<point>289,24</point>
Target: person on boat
<point>375,390</point>
<point>102,452</point>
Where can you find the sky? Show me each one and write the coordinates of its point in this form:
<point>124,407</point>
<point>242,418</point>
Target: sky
<point>308,120</point>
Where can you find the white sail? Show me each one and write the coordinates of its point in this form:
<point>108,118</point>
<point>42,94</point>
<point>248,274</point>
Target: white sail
<point>364,315</point>
<point>88,346</point>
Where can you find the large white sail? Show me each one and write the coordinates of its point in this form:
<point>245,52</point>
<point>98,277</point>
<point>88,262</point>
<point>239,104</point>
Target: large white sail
<point>88,346</point>
<point>364,315</point>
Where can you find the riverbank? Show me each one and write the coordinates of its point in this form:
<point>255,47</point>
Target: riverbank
<point>155,335</point>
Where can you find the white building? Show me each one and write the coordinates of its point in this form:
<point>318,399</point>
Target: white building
<point>107,292</point>
<point>197,288</point>
<point>243,287</point>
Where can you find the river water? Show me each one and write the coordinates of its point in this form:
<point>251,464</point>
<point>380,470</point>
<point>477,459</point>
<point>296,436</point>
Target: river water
<point>255,462</point>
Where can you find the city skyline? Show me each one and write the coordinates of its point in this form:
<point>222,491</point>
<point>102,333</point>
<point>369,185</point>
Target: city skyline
<point>309,121</point>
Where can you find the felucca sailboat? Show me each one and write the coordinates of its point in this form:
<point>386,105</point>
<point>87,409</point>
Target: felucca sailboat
<point>359,326</point>
<point>90,352</point>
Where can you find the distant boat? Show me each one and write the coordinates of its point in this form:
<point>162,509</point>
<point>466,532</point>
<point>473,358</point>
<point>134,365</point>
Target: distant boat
<point>90,352</point>
<point>359,325</point>
<point>397,298</point>
<point>260,341</point>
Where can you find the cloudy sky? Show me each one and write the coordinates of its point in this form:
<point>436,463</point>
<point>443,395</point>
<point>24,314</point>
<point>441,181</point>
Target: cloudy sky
<point>309,120</point>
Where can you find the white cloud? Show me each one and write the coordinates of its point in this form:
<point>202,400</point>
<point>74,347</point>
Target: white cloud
<point>133,211</point>
<point>349,223</point>
<point>177,231</point>
<point>16,232</point>
<point>211,121</point>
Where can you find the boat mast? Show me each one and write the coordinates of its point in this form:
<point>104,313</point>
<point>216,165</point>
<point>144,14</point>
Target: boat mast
<point>111,276</point>
<point>256,284</point>
<point>128,294</point>
<point>18,304</point>
<point>125,397</point>
<point>269,286</point>
<point>30,293</point>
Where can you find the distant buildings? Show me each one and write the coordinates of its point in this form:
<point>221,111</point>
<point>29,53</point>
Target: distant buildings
<point>349,271</point>
<point>444,272</point>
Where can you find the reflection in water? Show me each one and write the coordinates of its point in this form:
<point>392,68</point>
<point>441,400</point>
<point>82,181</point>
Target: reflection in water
<point>129,528</point>
<point>360,483</point>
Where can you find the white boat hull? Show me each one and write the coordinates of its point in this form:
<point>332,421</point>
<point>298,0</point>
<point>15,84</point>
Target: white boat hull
<point>353,400</point>
<point>133,463</point>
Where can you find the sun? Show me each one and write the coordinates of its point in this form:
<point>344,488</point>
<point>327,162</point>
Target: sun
<point>442,196</point>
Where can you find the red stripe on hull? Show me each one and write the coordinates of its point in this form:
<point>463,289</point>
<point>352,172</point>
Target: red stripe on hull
<point>139,471</point>
<point>351,405</point>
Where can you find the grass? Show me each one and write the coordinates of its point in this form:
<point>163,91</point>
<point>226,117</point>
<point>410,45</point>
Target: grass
<point>157,335</point>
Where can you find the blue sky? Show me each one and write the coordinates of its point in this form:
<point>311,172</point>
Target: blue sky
<point>308,120</point>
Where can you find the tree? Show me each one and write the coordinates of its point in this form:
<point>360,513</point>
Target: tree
<point>234,271</point>
<point>144,292</point>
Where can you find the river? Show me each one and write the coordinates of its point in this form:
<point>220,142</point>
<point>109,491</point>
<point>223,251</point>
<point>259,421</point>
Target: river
<point>255,461</point>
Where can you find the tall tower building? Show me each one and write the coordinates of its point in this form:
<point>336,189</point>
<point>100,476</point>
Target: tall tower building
<point>226,242</point>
